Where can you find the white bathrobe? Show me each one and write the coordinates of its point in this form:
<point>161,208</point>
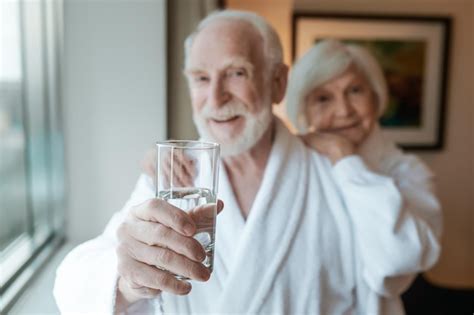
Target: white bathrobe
<point>318,240</point>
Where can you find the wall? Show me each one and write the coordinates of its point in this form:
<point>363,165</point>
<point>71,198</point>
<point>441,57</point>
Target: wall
<point>183,16</point>
<point>114,103</point>
<point>454,166</point>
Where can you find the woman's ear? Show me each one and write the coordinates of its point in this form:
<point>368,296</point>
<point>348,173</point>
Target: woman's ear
<point>279,82</point>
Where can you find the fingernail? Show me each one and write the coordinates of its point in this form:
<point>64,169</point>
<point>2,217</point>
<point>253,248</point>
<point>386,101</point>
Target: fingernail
<point>188,287</point>
<point>206,275</point>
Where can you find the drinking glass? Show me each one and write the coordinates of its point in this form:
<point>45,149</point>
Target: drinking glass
<point>187,178</point>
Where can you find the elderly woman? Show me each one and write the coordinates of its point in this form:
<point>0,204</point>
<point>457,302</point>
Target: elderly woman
<point>335,96</point>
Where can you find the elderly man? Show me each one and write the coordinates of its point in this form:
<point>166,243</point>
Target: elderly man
<point>285,242</point>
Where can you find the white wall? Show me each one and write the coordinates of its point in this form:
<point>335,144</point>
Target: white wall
<point>114,103</point>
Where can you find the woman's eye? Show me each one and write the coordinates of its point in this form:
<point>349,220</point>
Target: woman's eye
<point>322,98</point>
<point>318,99</point>
<point>356,89</point>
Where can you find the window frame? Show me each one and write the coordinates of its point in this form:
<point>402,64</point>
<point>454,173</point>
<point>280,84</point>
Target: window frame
<point>27,253</point>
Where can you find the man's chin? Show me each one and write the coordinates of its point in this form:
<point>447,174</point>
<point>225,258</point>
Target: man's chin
<point>221,140</point>
<point>232,149</point>
<point>222,135</point>
<point>237,137</point>
<point>230,145</point>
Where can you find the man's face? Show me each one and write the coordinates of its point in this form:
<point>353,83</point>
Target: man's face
<point>229,91</point>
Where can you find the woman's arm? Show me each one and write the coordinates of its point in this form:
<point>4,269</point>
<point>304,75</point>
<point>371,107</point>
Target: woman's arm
<point>397,221</point>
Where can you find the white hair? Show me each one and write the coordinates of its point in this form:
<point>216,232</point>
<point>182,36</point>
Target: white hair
<point>323,62</point>
<point>255,127</point>
<point>272,49</point>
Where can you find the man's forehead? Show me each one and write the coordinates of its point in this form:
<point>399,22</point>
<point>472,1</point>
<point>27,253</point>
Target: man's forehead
<point>229,28</point>
<point>224,43</point>
<point>209,64</point>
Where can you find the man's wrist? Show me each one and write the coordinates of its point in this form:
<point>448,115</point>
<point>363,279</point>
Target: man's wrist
<point>123,297</point>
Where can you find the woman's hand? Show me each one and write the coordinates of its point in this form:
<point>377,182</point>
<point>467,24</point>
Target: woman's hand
<point>334,146</point>
<point>184,169</point>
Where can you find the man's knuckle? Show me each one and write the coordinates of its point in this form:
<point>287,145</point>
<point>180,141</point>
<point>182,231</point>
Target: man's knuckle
<point>125,271</point>
<point>178,218</point>
<point>194,270</point>
<point>149,241</point>
<point>142,233</point>
<point>162,278</point>
<point>147,292</point>
<point>120,231</point>
<point>153,203</point>
<point>190,247</point>
<point>136,275</point>
<point>120,250</point>
<point>159,231</point>
<point>164,256</point>
<point>158,235</point>
<point>132,252</point>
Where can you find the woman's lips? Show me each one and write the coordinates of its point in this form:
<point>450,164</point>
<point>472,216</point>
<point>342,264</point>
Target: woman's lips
<point>344,127</point>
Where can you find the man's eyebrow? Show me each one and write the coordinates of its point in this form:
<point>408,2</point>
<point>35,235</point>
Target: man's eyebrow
<point>240,63</point>
<point>234,63</point>
<point>191,71</point>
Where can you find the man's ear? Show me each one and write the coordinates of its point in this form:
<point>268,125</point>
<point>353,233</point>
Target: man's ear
<point>279,82</point>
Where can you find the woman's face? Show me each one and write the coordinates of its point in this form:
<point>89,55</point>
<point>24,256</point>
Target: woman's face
<point>345,106</point>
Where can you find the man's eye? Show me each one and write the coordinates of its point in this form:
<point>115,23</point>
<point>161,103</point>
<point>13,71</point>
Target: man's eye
<point>322,98</point>
<point>237,73</point>
<point>201,78</point>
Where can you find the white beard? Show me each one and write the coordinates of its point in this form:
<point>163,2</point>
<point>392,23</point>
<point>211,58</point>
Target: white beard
<point>255,127</point>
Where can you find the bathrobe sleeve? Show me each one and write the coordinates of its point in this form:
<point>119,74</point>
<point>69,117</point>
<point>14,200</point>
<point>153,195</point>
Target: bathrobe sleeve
<point>396,221</point>
<point>86,279</point>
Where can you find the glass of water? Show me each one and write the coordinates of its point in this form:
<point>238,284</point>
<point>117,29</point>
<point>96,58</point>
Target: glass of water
<point>187,178</point>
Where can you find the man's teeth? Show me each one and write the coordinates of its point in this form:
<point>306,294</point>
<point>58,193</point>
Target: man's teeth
<point>225,119</point>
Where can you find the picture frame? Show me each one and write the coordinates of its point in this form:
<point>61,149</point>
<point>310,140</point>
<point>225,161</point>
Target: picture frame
<point>413,52</point>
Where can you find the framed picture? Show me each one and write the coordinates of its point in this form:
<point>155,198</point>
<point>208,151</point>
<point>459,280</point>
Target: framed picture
<point>413,52</point>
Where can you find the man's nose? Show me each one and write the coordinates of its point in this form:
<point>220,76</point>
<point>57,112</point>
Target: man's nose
<point>218,93</point>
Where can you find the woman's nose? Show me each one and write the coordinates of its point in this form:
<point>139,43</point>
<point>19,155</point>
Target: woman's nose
<point>343,107</point>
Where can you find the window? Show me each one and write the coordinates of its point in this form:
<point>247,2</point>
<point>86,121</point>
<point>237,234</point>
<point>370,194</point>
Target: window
<point>31,148</point>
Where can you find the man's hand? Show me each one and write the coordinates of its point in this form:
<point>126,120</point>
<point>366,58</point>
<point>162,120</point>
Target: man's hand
<point>155,238</point>
<point>335,147</point>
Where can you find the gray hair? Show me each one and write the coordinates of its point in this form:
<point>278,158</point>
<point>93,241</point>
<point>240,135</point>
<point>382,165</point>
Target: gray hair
<point>272,48</point>
<point>323,62</point>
